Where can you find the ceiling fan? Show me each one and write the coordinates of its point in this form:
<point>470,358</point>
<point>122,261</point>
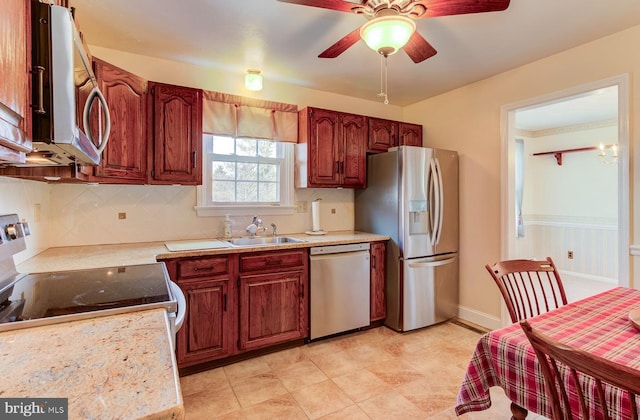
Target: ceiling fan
<point>388,16</point>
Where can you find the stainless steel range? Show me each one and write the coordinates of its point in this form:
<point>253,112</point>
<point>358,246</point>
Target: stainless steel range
<point>29,300</point>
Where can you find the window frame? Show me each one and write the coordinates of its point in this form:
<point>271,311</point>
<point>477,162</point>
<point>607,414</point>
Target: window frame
<point>284,207</point>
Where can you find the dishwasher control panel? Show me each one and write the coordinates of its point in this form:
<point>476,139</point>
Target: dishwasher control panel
<point>336,249</point>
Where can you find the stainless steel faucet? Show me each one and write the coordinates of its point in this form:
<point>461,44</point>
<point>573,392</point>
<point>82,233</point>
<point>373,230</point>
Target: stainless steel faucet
<point>255,226</point>
<point>274,227</point>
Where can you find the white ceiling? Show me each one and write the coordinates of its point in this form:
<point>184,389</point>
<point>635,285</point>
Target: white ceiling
<point>597,105</point>
<point>283,40</point>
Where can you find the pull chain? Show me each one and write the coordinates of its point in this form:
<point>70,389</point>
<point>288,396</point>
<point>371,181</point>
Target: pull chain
<point>383,79</point>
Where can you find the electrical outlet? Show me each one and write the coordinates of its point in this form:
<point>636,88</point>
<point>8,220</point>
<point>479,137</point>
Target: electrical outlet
<point>37,210</point>
<point>301,207</point>
<point>333,211</point>
<point>570,255</point>
<point>122,216</point>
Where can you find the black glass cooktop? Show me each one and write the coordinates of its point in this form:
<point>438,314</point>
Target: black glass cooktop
<point>66,294</point>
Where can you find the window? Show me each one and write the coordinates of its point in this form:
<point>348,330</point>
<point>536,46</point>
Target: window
<point>245,176</point>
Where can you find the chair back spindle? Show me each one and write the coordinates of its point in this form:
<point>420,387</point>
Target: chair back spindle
<point>528,287</point>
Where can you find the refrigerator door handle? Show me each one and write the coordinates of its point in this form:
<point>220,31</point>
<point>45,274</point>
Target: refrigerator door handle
<point>432,263</point>
<point>434,194</point>
<point>440,201</point>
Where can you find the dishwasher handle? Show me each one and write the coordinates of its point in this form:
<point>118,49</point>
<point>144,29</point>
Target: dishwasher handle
<point>338,249</point>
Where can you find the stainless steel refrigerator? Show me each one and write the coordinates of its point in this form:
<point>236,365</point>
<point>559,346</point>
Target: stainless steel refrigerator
<point>412,196</point>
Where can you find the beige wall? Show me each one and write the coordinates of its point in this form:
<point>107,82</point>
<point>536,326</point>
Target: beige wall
<point>468,120</point>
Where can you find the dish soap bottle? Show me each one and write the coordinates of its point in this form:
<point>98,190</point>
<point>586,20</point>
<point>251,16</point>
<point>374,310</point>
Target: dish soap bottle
<point>227,226</point>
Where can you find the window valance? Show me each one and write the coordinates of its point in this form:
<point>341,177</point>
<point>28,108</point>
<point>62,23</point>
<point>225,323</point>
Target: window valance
<point>233,115</point>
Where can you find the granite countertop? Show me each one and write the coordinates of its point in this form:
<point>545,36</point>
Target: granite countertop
<point>97,256</point>
<point>119,366</point>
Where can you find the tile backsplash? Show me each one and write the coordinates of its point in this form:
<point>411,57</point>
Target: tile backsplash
<point>80,214</point>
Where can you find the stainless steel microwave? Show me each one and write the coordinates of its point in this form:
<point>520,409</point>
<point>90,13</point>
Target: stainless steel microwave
<point>67,105</point>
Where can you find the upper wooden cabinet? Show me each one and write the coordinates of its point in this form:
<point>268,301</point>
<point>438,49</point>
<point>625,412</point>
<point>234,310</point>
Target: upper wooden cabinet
<point>331,150</point>
<point>175,154</point>
<point>15,60</point>
<point>124,160</point>
<point>409,134</point>
<point>383,134</point>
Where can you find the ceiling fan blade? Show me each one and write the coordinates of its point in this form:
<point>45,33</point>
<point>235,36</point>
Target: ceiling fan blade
<point>339,5</point>
<point>342,45</point>
<point>460,7</point>
<point>418,49</point>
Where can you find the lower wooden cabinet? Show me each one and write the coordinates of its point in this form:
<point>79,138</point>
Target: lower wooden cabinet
<point>272,308</point>
<point>208,331</point>
<point>378,295</point>
<point>240,302</point>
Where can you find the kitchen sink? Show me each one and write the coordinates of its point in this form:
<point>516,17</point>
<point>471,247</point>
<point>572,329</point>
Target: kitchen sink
<point>263,240</point>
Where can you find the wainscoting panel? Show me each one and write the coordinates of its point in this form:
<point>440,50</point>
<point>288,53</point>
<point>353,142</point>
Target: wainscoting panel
<point>593,241</point>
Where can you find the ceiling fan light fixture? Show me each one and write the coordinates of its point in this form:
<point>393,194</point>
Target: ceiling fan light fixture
<point>253,80</point>
<point>387,34</point>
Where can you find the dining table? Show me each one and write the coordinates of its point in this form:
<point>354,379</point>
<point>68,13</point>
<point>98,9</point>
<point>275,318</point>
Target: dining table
<point>599,324</point>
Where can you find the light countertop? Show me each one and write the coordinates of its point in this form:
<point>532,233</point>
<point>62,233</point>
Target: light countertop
<point>118,366</point>
<point>97,256</point>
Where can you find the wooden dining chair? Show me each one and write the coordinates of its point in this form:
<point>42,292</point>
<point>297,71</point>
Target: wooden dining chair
<point>528,287</point>
<point>583,368</point>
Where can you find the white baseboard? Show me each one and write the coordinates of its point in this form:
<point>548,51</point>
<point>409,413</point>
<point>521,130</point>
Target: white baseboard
<point>479,318</point>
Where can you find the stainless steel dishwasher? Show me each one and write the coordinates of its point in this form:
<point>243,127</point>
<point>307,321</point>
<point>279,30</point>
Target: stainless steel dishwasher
<point>340,284</point>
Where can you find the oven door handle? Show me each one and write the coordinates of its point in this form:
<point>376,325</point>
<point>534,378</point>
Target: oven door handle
<point>182,304</point>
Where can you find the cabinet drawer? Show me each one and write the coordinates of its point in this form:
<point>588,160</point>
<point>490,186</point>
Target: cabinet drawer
<point>202,267</point>
<point>272,260</point>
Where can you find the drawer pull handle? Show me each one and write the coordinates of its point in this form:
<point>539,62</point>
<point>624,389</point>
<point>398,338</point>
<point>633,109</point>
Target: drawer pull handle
<point>208,268</point>
<point>272,262</point>
<point>224,302</point>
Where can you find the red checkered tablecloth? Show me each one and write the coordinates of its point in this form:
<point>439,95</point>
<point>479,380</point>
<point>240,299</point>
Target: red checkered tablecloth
<point>598,324</point>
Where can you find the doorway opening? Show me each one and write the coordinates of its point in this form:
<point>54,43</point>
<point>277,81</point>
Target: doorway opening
<point>562,195</point>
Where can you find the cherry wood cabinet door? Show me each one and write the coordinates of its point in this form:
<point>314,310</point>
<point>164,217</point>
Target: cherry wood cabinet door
<point>273,308</point>
<point>324,148</point>
<point>410,134</point>
<point>378,294</point>
<point>353,134</point>
<point>15,51</point>
<point>383,134</point>
<point>124,160</point>
<point>176,123</point>
<point>208,330</point>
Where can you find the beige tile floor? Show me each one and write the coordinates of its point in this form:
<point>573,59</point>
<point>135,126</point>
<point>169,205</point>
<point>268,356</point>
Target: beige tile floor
<point>374,374</point>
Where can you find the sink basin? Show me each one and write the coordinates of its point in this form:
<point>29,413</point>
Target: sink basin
<point>263,240</point>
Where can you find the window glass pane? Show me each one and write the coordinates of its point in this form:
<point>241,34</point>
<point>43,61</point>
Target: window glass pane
<point>247,192</point>
<point>245,147</point>
<point>247,171</point>
<point>223,145</point>
<point>224,170</point>
<point>223,191</point>
<point>269,192</point>
<point>268,172</point>
<point>267,149</point>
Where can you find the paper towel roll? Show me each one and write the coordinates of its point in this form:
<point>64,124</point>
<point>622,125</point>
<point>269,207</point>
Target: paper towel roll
<point>315,216</point>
